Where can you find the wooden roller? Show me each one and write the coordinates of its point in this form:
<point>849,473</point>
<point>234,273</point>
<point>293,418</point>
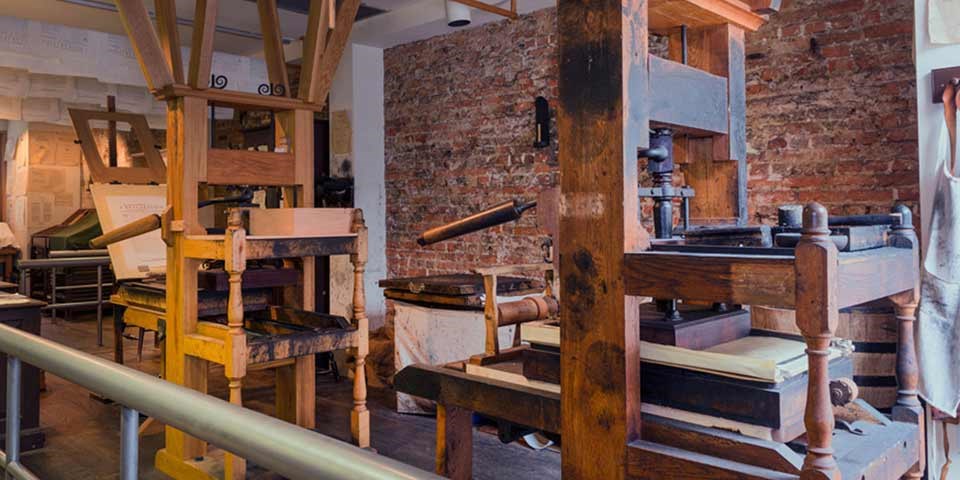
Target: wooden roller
<point>843,391</point>
<point>527,310</point>
<point>133,229</point>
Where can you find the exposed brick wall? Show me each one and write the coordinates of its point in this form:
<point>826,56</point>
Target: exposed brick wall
<point>459,138</point>
<point>831,117</point>
<point>831,109</point>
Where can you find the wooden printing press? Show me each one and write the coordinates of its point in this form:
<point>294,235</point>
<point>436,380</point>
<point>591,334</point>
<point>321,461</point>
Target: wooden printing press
<point>233,315</point>
<point>713,389</point>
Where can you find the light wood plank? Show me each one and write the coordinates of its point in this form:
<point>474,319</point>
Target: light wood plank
<point>136,21</point>
<point>244,167</point>
<point>314,45</point>
<point>201,49</point>
<point>273,44</point>
<point>169,36</point>
<point>322,76</point>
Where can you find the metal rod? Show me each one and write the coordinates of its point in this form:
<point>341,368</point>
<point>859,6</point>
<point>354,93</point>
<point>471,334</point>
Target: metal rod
<point>281,447</point>
<point>77,253</point>
<point>48,263</point>
<point>683,43</point>
<point>83,286</point>
<point>53,293</point>
<point>99,305</point>
<point>71,305</point>
<point>13,410</point>
<point>129,443</point>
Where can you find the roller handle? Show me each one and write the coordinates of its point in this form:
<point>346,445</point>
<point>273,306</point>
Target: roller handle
<point>133,229</point>
<point>498,215</point>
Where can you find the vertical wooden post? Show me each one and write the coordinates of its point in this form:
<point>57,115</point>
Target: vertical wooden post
<point>360,416</point>
<point>492,343</point>
<point>235,468</point>
<point>186,146</point>
<point>602,118</point>
<point>454,442</point>
<point>817,316</point>
<point>908,407</point>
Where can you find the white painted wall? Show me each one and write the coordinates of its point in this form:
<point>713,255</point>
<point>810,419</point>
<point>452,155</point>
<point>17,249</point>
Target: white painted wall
<point>358,89</point>
<point>929,124</point>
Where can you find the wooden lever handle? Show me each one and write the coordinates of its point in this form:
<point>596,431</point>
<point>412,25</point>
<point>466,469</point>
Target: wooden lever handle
<point>951,94</point>
<point>133,229</point>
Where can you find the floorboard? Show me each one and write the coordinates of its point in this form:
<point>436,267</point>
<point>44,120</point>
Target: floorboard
<point>83,433</point>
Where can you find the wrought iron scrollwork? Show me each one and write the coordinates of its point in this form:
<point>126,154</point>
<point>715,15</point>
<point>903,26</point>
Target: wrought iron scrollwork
<point>273,89</point>
<point>218,81</point>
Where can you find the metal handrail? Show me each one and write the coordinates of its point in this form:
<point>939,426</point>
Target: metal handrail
<point>65,259</point>
<point>271,443</point>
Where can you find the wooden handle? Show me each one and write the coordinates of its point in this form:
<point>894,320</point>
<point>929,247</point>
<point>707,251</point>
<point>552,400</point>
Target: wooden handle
<point>133,229</point>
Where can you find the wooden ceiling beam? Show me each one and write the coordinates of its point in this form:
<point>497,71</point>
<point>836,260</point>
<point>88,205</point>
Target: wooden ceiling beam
<point>201,48</point>
<point>146,45</point>
<point>320,20</point>
<point>273,44</point>
<point>322,76</point>
<point>479,5</point>
<point>169,36</point>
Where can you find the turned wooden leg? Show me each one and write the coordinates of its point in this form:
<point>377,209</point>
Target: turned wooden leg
<point>234,467</point>
<point>454,442</point>
<point>908,407</point>
<point>118,326</point>
<point>360,416</point>
<point>817,317</point>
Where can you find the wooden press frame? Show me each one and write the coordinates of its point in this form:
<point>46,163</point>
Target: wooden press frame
<point>191,344</point>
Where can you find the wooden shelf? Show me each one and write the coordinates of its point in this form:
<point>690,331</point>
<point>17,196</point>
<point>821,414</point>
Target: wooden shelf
<point>666,15</point>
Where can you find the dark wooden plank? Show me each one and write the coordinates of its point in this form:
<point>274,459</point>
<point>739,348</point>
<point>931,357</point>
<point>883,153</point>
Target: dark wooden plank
<point>602,117</point>
<point>653,461</point>
<point>721,443</point>
<point>737,279</point>
<point>686,97</point>
<point>459,284</point>
<point>519,404</point>
<point>871,274</point>
<point>454,442</point>
<point>217,280</point>
<point>473,302</point>
<point>262,248</point>
<point>267,348</point>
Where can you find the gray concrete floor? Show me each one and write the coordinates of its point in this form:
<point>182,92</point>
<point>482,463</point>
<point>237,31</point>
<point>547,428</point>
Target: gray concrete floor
<point>83,433</point>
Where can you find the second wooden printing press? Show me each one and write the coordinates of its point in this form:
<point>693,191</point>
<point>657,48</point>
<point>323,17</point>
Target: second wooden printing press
<point>713,388</point>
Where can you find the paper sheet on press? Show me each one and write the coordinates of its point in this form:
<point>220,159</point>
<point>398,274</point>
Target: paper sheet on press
<point>118,205</point>
<point>755,358</point>
<point>944,21</point>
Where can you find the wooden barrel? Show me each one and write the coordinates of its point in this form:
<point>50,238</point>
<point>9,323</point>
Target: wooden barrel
<point>872,328</point>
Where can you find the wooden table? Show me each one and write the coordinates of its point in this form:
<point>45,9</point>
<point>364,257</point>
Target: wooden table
<point>23,313</point>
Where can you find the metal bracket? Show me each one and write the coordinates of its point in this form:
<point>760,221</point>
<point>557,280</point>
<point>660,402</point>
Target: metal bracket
<point>940,77</point>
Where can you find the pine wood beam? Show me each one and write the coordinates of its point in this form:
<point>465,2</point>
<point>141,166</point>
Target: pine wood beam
<point>486,7</point>
<point>169,36</point>
<point>322,76</point>
<point>136,21</point>
<point>201,49</point>
<point>320,20</point>
<point>273,44</point>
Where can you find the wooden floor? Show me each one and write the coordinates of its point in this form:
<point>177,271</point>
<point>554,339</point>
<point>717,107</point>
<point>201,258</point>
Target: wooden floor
<point>83,433</point>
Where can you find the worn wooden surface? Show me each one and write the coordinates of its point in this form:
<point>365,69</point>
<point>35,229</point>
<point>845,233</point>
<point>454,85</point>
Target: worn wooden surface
<point>723,444</point>
<point>654,461</point>
<point>602,117</point>
<point>668,14</point>
<point>166,11</point>
<point>747,280</point>
<point>817,316</point>
<point>454,442</point>
<point>459,284</point>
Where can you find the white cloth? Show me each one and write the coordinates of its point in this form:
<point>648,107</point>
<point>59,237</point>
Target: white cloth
<point>937,326</point>
<point>944,21</point>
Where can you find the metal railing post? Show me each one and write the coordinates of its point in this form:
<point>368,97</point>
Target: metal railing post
<point>53,292</point>
<point>99,305</point>
<point>13,411</point>
<point>129,443</point>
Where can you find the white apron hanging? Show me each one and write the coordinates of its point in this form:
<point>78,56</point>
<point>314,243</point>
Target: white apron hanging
<point>938,326</point>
